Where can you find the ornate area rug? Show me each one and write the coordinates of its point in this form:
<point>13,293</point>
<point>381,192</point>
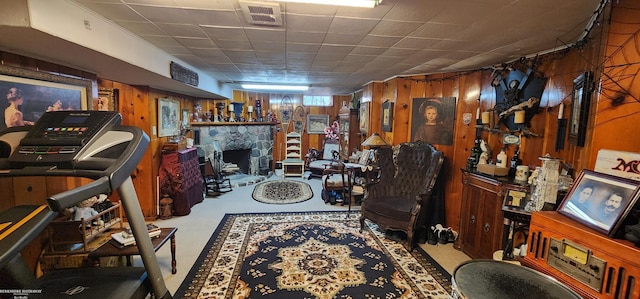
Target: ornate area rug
<point>309,255</point>
<point>282,192</point>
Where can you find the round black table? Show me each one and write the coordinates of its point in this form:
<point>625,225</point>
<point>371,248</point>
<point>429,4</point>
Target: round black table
<point>493,279</point>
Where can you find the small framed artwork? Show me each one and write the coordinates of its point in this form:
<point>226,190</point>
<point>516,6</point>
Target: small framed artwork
<point>365,157</point>
<point>387,116</point>
<point>29,94</point>
<point>316,123</point>
<point>580,101</point>
<point>107,100</point>
<point>516,200</point>
<point>186,120</point>
<point>168,120</point>
<point>600,201</point>
<point>364,118</point>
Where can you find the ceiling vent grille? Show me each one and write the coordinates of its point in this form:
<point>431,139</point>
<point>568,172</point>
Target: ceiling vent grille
<point>259,13</point>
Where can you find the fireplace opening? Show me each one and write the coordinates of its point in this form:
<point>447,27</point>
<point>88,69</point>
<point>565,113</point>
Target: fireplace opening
<point>241,157</point>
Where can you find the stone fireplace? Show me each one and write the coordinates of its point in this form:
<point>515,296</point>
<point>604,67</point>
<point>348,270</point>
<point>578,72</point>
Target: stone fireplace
<point>248,145</point>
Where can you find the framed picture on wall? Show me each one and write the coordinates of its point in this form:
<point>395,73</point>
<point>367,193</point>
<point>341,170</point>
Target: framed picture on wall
<point>168,117</point>
<point>316,123</point>
<point>107,100</point>
<point>29,94</point>
<point>580,101</point>
<point>432,120</point>
<point>364,118</point>
<point>387,116</point>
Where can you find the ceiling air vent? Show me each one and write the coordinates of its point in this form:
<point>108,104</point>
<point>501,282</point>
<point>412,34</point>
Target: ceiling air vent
<point>260,13</point>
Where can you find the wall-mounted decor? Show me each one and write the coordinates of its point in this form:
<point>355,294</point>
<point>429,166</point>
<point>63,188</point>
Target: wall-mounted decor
<point>580,102</point>
<point>29,94</point>
<point>299,119</point>
<point>107,100</point>
<point>517,90</point>
<point>600,201</point>
<point>387,116</point>
<point>364,118</point>
<point>168,119</point>
<point>186,119</point>
<point>432,120</point>
<point>316,123</point>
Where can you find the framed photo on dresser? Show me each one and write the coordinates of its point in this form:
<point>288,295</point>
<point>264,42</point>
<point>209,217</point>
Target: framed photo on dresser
<point>600,201</point>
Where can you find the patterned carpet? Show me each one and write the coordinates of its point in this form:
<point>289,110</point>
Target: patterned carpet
<point>282,192</point>
<point>309,255</point>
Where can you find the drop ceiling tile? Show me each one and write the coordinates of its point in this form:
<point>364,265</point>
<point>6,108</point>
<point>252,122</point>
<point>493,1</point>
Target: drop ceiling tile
<point>233,44</point>
<point>167,3</point>
<point>213,17</point>
<point>141,28</point>
<point>177,50</point>
<point>438,30</point>
<point>415,10</point>
<point>395,28</point>
<point>162,14</point>
<point>308,9</point>
<point>202,43</point>
<point>352,26</point>
<point>397,52</point>
<point>379,41</point>
<point>225,33</point>
<point>306,23</point>
<point>303,48</point>
<point>269,47</point>
<point>305,37</point>
<point>262,35</point>
<point>208,4</point>
<point>416,43</point>
<point>182,30</point>
<point>370,51</point>
<point>342,39</point>
<point>162,41</point>
<point>208,52</point>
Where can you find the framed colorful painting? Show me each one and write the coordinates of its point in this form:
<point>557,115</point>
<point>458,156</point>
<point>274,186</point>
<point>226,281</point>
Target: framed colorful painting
<point>29,94</point>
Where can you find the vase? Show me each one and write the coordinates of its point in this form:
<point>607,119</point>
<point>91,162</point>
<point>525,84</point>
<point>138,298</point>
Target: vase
<point>237,110</point>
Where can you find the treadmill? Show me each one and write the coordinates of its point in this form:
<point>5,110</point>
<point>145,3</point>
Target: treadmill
<point>90,144</point>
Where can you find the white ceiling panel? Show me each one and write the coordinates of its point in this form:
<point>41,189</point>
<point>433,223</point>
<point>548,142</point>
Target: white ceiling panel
<point>341,48</point>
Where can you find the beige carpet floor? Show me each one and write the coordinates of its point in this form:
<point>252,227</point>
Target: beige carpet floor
<point>195,229</point>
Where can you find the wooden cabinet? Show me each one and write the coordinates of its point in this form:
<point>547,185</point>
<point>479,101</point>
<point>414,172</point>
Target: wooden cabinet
<point>481,218</point>
<point>349,132</point>
<point>293,165</point>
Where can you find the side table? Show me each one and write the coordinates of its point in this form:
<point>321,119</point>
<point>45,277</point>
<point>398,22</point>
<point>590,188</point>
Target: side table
<point>109,249</point>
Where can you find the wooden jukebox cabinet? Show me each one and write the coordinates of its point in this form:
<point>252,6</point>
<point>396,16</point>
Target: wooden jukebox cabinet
<point>587,261</point>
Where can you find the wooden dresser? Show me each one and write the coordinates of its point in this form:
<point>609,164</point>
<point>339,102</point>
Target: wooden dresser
<point>600,267</point>
<point>481,219</point>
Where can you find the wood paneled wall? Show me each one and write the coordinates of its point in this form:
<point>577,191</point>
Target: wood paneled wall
<point>615,108</point>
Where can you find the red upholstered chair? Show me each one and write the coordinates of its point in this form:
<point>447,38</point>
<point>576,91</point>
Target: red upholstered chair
<point>399,198</point>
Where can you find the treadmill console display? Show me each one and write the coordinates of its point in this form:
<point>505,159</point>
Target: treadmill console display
<point>59,137</point>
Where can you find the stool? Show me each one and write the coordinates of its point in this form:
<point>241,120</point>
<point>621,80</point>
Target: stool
<point>496,279</point>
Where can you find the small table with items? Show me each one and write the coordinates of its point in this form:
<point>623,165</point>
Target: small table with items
<point>110,249</point>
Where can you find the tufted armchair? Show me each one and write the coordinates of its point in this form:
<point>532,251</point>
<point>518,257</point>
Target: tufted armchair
<point>399,197</point>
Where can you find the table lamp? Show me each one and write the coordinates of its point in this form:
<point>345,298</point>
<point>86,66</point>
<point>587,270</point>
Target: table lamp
<point>375,140</point>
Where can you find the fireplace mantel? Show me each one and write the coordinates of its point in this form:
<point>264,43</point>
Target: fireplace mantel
<point>225,136</point>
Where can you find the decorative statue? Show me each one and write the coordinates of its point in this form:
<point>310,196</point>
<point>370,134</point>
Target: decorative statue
<point>486,152</point>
